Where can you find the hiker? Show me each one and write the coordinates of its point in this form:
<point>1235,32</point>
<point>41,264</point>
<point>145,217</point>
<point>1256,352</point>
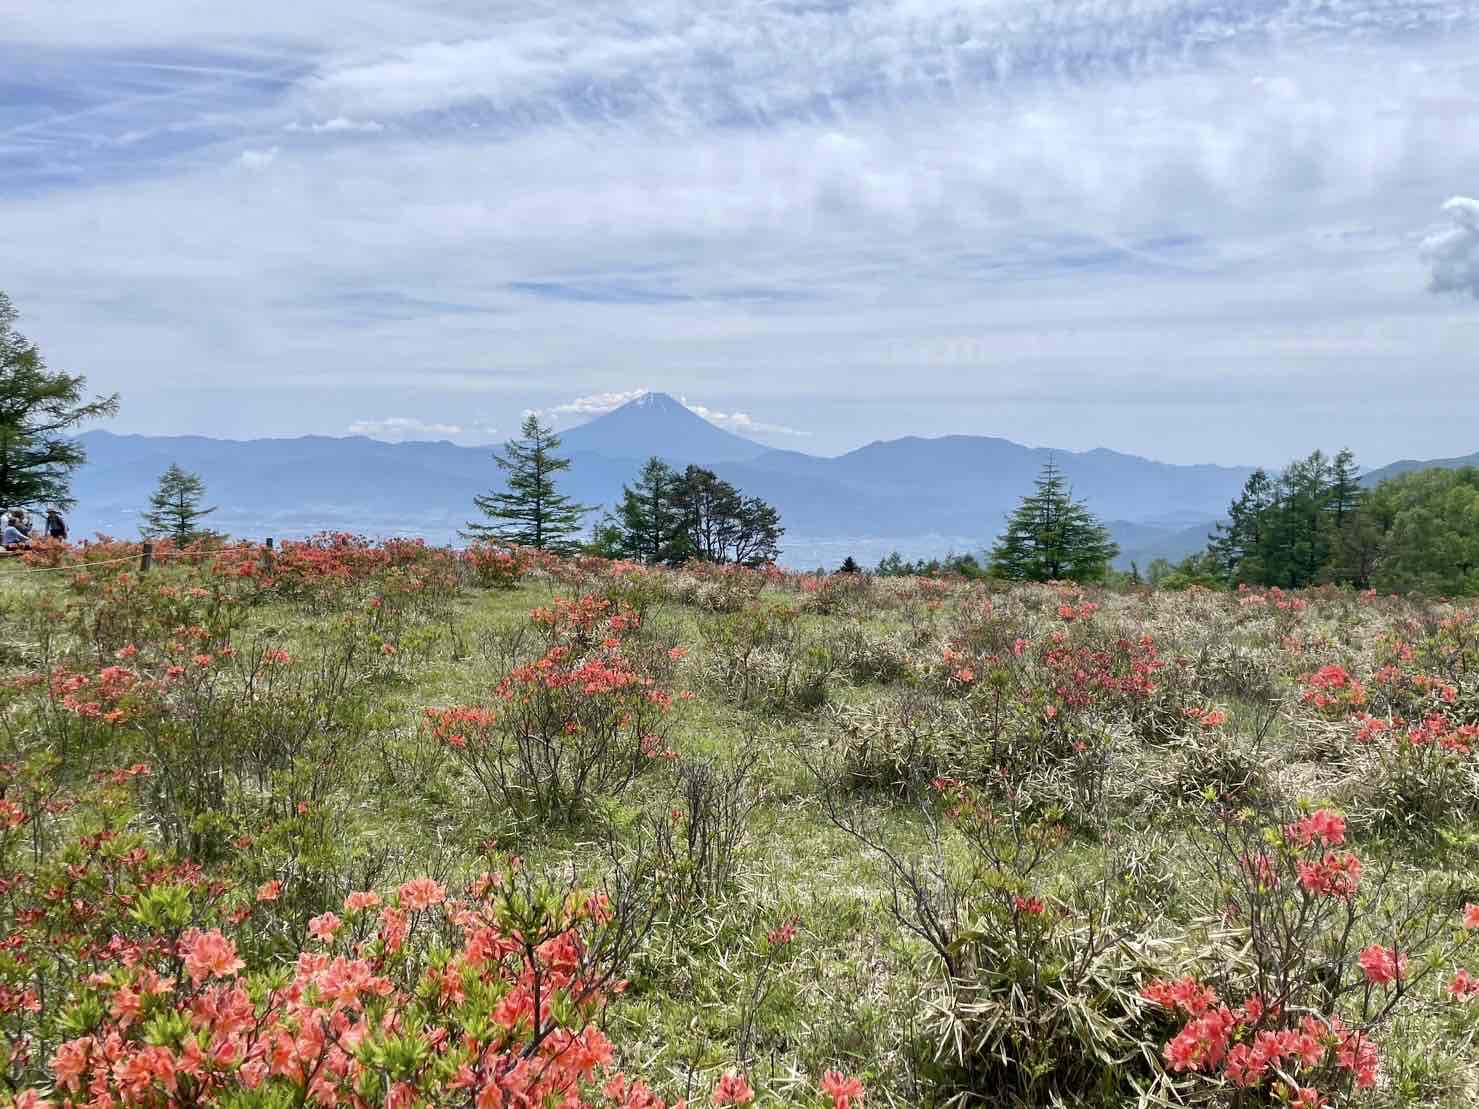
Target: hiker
<point>13,538</point>
<point>56,526</point>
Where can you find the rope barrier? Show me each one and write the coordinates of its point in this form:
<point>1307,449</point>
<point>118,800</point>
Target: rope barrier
<point>157,559</point>
<point>75,566</point>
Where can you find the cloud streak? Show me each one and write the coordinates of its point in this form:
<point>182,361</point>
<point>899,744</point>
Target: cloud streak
<point>400,429</point>
<point>741,422</point>
<point>588,407</point>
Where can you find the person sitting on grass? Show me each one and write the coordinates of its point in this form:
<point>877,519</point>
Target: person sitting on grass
<point>13,538</point>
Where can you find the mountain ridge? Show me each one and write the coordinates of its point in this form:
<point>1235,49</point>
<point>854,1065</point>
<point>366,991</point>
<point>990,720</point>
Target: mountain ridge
<point>918,493</point>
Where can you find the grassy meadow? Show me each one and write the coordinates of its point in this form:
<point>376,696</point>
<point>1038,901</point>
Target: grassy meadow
<point>385,824</point>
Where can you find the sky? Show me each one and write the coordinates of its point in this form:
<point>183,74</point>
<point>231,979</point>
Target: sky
<point>1196,230</point>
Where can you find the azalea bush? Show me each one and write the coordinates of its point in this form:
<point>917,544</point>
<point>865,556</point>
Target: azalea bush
<point>576,724</point>
<point>1328,953</point>
<point>377,823</point>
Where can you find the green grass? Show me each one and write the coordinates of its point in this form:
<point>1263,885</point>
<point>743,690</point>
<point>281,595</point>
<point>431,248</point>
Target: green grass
<point>855,991</point>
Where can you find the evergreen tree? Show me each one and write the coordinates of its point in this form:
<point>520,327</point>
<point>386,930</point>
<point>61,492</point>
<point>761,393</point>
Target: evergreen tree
<point>1345,494</point>
<point>38,410</point>
<point>1304,528</point>
<point>720,524</point>
<point>649,518</point>
<point>1052,537</point>
<point>1291,531</point>
<point>174,509</point>
<point>849,566</point>
<point>607,539</point>
<point>1241,539</point>
<point>893,565</point>
<point>532,512</point>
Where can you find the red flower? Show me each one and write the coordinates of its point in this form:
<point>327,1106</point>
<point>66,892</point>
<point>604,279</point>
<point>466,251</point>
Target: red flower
<point>209,954</point>
<point>844,1090</point>
<point>733,1090</point>
<point>1382,964</point>
<point>422,893</point>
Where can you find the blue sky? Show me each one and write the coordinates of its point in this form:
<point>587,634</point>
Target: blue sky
<point>1199,231</point>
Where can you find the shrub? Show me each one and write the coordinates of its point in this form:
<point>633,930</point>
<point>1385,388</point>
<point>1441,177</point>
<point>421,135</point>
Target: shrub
<point>577,723</point>
<point>1038,1002</point>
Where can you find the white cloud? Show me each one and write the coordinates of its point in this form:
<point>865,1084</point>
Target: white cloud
<point>739,422</point>
<point>399,429</point>
<point>258,159</point>
<point>335,125</point>
<point>1453,253</point>
<point>900,203</point>
<point>588,407</point>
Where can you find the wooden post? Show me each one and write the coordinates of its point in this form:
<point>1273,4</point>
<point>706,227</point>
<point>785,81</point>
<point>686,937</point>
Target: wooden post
<point>267,556</point>
<point>146,557</point>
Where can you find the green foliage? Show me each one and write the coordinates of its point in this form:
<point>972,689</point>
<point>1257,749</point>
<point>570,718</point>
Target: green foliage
<point>650,524</point>
<point>1052,537</point>
<point>38,411</point>
<point>1303,528</point>
<point>1416,531</point>
<point>934,833</point>
<point>668,518</point>
<point>722,525</point>
<point>894,565</point>
<point>174,509</point>
<point>1200,569</point>
<point>1421,532</point>
<point>532,512</point>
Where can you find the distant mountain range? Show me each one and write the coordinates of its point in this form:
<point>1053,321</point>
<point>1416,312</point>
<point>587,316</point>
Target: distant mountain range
<point>1408,465</point>
<point>922,497</point>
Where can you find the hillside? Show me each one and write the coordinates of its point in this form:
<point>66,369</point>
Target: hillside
<point>1408,465</point>
<point>789,834</point>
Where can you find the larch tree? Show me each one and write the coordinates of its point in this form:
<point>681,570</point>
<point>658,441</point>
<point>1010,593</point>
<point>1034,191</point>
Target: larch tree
<point>39,410</point>
<point>1052,537</point>
<point>175,509</point>
<point>531,511</point>
<point>1300,528</point>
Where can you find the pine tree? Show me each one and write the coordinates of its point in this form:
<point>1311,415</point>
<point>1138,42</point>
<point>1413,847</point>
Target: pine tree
<point>174,509</point>
<point>1241,539</point>
<point>1345,493</point>
<point>722,525</point>
<point>650,520</point>
<point>1292,531</point>
<point>38,410</point>
<point>1052,537</point>
<point>532,512</point>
